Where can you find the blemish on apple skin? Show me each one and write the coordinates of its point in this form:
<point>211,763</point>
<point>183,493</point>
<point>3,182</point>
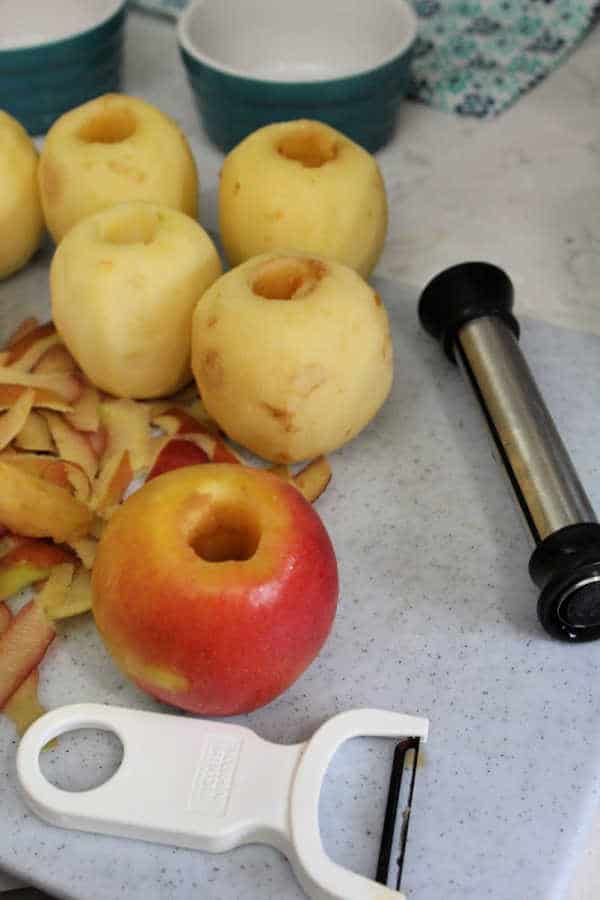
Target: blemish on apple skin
<point>283,458</point>
<point>212,368</point>
<point>236,187</point>
<point>106,264</point>
<point>210,323</point>
<point>51,181</point>
<point>376,298</point>
<point>149,676</point>
<point>284,417</point>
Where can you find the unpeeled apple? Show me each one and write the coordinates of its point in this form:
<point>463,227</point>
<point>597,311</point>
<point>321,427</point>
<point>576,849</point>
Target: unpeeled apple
<point>214,587</point>
<point>302,185</point>
<point>114,149</point>
<point>21,219</point>
<point>124,284</point>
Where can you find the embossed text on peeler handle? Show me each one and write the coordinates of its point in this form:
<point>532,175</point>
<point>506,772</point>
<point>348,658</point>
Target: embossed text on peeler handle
<point>182,781</point>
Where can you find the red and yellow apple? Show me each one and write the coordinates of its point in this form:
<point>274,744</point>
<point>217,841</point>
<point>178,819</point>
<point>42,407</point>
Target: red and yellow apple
<point>214,587</point>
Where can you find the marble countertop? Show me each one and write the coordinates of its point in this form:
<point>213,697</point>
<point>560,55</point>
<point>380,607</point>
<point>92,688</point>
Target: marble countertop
<point>522,191</point>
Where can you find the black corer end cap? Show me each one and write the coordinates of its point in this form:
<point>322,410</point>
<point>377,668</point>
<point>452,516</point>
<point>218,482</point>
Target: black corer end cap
<point>566,565</point>
<point>569,608</point>
<point>462,293</point>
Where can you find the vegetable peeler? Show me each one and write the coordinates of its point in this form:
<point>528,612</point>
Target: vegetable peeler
<point>228,787</point>
<point>469,308</point>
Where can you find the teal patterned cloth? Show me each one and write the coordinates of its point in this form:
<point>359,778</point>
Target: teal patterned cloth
<point>476,57</point>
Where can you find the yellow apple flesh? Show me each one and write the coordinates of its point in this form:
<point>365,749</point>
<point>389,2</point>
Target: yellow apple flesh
<point>292,355</point>
<point>111,150</point>
<point>124,284</point>
<point>21,218</point>
<point>302,185</point>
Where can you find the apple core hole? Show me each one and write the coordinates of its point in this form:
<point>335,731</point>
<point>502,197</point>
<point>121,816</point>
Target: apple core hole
<point>312,147</point>
<point>226,534</point>
<point>288,278</point>
<point>135,226</point>
<point>81,759</point>
<point>111,126</point>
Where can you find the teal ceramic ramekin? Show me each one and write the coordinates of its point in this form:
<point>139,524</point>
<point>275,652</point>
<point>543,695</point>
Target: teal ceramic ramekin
<point>344,62</point>
<point>56,54</point>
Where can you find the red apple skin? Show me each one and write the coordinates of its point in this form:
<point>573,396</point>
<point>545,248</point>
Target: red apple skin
<point>22,647</point>
<point>174,455</point>
<point>215,638</point>
<point>37,552</point>
<point>20,347</point>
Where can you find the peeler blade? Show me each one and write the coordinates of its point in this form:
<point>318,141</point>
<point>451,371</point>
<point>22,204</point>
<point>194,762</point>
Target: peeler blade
<point>392,849</point>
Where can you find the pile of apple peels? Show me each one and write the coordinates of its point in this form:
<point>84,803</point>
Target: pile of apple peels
<point>69,454</point>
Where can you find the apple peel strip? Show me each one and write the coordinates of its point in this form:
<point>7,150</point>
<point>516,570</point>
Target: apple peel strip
<point>22,647</point>
<point>62,384</point>
<point>23,706</point>
<point>71,444</point>
<point>35,435</point>
<point>31,356</point>
<point>12,421</point>
<point>23,328</point>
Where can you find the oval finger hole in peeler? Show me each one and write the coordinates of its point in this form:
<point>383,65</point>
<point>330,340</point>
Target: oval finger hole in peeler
<point>214,786</point>
<point>469,308</point>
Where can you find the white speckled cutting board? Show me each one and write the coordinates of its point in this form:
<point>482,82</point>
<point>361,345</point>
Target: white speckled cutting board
<point>436,617</point>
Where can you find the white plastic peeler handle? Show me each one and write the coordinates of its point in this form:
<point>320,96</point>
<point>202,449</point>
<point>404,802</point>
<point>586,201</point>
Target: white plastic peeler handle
<point>210,786</point>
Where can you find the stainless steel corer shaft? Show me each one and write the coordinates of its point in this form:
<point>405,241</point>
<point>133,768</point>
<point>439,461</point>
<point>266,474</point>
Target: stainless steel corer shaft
<point>469,308</point>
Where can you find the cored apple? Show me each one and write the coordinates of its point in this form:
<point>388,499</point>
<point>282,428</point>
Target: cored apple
<point>113,149</point>
<point>319,373</point>
<point>21,218</point>
<point>124,284</point>
<point>214,587</point>
<point>304,186</point>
